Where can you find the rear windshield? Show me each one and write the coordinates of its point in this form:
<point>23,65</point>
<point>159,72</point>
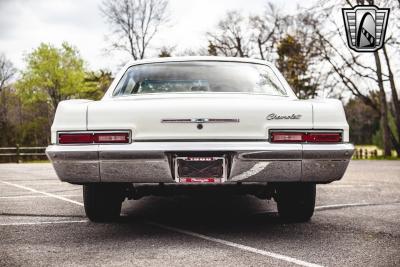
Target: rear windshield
<point>199,77</point>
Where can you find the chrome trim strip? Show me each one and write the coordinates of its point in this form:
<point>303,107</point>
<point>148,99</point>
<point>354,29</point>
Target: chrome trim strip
<point>200,120</point>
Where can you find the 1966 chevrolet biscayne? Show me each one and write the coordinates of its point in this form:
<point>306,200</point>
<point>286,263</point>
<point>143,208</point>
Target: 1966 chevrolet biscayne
<point>190,124</point>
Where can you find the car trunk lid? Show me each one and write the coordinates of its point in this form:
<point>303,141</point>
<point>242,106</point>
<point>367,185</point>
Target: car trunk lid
<point>199,116</point>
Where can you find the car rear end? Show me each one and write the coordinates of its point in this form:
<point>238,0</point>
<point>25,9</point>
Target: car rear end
<point>224,139</point>
<point>254,142</point>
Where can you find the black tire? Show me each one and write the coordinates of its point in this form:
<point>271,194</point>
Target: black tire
<point>296,201</point>
<point>102,201</point>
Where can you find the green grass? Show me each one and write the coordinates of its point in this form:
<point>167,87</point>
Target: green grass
<point>379,158</point>
<point>36,161</point>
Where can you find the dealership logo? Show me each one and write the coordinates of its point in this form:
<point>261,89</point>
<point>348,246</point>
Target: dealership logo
<point>365,27</point>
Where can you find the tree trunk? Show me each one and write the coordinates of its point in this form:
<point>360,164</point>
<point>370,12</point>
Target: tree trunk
<point>395,99</point>
<point>383,108</point>
<point>239,46</point>
<point>3,118</point>
<point>260,48</point>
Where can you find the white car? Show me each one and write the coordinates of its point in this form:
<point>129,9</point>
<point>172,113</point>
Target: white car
<point>209,124</point>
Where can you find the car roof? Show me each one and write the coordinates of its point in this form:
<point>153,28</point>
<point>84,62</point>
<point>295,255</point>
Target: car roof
<point>197,58</point>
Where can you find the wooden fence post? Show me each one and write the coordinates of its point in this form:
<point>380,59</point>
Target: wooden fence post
<point>17,153</point>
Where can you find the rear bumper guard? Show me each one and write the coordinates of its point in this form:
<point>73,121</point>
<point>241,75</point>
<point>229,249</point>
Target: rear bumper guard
<point>151,162</point>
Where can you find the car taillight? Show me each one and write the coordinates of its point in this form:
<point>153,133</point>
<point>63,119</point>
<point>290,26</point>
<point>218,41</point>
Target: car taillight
<point>75,138</point>
<point>111,138</point>
<point>93,138</point>
<point>287,137</point>
<point>324,137</point>
<point>302,137</point>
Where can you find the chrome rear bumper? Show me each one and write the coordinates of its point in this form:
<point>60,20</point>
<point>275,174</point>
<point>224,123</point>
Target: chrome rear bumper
<point>150,162</point>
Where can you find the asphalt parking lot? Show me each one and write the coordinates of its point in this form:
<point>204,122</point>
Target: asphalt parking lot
<point>356,223</point>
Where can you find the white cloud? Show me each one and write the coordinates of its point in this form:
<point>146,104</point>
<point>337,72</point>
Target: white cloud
<point>24,24</point>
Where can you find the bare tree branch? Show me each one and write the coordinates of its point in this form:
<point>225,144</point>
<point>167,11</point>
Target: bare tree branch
<point>230,38</point>
<point>268,29</point>
<point>134,23</point>
<point>7,71</point>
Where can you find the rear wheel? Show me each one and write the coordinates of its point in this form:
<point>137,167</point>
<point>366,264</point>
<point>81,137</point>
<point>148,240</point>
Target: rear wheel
<point>296,201</point>
<point>102,201</point>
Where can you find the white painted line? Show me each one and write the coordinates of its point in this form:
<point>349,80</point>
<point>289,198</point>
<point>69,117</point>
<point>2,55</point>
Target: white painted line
<point>37,223</point>
<point>43,193</point>
<point>338,206</point>
<point>344,185</point>
<point>40,196</point>
<point>238,246</point>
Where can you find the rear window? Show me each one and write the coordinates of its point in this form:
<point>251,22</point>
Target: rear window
<point>199,77</point>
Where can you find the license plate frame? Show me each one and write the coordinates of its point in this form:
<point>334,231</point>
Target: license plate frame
<point>200,180</point>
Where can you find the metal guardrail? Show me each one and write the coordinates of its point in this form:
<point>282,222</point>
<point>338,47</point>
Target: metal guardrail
<point>19,152</point>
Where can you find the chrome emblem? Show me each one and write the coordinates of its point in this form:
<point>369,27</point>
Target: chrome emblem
<point>273,116</point>
<point>200,120</point>
<point>365,27</point>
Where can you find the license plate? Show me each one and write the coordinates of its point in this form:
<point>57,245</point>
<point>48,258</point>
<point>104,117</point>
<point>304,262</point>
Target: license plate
<point>200,169</point>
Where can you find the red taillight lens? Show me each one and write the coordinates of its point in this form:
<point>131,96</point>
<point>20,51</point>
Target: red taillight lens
<point>287,137</point>
<point>75,138</point>
<point>111,138</point>
<point>324,137</point>
<point>298,137</point>
<point>93,138</point>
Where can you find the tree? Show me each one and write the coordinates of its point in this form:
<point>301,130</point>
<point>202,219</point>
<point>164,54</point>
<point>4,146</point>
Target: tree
<point>268,29</point>
<point>7,71</point>
<point>363,120</point>
<point>211,49</point>
<point>293,64</point>
<point>134,23</point>
<point>52,75</point>
<point>358,73</point>
<point>395,98</point>
<point>100,81</point>
<point>166,51</point>
<point>231,37</point>
<point>387,151</point>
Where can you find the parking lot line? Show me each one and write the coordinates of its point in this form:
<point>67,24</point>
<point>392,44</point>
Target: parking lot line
<point>43,193</point>
<point>37,223</point>
<point>348,205</point>
<point>39,196</point>
<point>236,245</point>
<point>193,234</point>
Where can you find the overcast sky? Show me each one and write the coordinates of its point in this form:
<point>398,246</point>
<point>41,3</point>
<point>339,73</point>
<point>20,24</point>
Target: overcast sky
<point>24,24</point>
